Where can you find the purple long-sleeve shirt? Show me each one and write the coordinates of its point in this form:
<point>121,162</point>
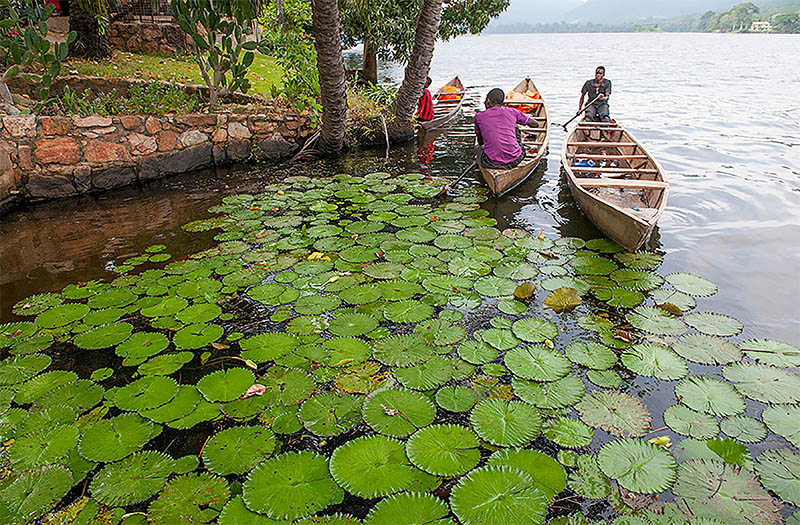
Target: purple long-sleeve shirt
<point>498,128</point>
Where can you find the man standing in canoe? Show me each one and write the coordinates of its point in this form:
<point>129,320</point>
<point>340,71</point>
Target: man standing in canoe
<point>499,140</point>
<point>599,85</point>
<point>425,104</point>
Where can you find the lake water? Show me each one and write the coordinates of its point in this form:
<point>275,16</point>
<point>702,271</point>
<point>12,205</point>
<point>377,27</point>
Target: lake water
<point>720,112</point>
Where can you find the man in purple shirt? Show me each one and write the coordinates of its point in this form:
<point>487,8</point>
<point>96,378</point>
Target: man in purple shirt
<point>499,141</point>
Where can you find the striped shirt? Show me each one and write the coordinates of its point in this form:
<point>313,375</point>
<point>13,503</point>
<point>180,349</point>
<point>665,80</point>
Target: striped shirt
<point>425,111</point>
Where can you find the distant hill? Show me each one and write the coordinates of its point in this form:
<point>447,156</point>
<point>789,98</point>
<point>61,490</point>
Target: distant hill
<point>620,11</point>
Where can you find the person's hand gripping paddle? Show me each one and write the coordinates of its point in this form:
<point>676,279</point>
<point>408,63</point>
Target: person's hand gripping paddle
<point>581,111</point>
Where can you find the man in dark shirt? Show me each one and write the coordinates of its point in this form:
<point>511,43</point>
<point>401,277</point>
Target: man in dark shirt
<point>425,104</point>
<point>591,88</point>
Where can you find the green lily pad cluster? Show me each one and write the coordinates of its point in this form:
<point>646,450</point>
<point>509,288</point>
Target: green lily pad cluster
<point>356,338</point>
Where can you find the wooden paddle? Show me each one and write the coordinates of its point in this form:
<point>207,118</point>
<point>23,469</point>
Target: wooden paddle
<point>581,111</point>
<point>446,188</point>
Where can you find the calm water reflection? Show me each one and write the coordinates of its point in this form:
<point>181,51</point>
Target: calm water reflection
<point>720,112</point>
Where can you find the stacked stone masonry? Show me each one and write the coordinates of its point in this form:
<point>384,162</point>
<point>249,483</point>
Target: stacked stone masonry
<point>163,38</point>
<point>51,157</point>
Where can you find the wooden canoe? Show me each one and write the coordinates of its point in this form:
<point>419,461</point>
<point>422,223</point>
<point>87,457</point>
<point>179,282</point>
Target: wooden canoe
<point>626,190</point>
<point>446,105</point>
<point>535,140</point>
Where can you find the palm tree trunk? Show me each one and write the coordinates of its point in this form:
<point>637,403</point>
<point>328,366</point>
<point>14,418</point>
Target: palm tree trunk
<point>90,43</point>
<point>281,14</point>
<point>370,63</point>
<point>330,64</point>
<point>418,66</point>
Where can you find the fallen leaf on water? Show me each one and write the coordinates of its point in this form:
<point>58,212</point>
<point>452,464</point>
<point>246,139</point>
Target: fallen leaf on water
<point>250,364</point>
<point>549,255</point>
<point>524,290</point>
<point>280,192</point>
<point>343,362</point>
<point>255,390</point>
<point>220,346</point>
<point>15,334</point>
<point>661,441</point>
<point>670,308</point>
<point>204,357</point>
<point>541,235</point>
<point>262,234</point>
<point>563,299</point>
<point>315,255</point>
<point>622,336</point>
<point>549,344</point>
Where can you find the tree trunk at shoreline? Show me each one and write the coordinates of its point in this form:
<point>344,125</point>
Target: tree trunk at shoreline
<point>330,64</point>
<point>417,69</point>
<point>369,67</point>
<point>90,44</point>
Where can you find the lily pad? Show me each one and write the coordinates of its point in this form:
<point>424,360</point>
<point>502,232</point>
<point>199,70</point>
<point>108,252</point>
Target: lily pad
<point>706,349</point>
<point>534,330</point>
<point>444,450</point>
<point>771,352</point>
<point>33,451</point>
<point>713,324</point>
<point>330,414</point>
<point>492,286</point>
<point>132,480</point>
<point>692,284</point>
<point>145,393</point>
<point>408,311</point>
<point>191,498</point>
<point>17,369</point>
<point>197,336</point>
<point>112,439</point>
<point>744,428</point>
<point>456,398</point>
<point>238,449</point>
<point>61,315</point>
<point>290,486</point>
<point>637,465</point>
<point>372,466</point>
<point>615,412</point>
<point>287,386</point>
<point>225,385</point>
<point>31,493</point>
<point>779,471</point>
<point>477,352</point>
<point>401,509</point>
<point>537,362</point>
<point>591,355</point>
<point>498,338</point>
<point>655,321</point>
<point>104,336</point>
<point>717,490</point>
<point>782,419</point>
<point>426,375</point>
<point>764,383</point>
<point>568,432</point>
<point>551,395</point>
<point>654,360</point>
<point>506,423</point>
<point>352,324</point>
<point>498,494</point>
<point>397,412</point>
<point>267,347</point>
<point>638,280</point>
<point>711,396</point>
<point>688,422</point>
<point>639,260</point>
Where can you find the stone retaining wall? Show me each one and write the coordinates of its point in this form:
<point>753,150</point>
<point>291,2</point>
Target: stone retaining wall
<point>163,38</point>
<point>51,157</point>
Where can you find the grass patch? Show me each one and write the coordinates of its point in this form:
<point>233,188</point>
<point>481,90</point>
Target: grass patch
<point>263,74</point>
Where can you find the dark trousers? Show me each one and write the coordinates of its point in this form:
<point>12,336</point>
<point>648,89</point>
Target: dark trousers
<point>598,112</point>
<point>486,162</point>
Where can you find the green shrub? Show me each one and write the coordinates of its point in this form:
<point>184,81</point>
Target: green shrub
<point>155,98</point>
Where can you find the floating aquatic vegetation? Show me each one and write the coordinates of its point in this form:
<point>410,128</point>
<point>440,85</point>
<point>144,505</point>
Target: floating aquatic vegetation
<point>377,340</point>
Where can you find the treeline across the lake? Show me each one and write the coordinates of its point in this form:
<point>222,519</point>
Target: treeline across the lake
<point>745,17</point>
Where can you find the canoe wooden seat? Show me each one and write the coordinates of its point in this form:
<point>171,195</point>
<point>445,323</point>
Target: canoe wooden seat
<point>522,102</point>
<point>605,157</point>
<point>600,144</point>
<point>623,183</point>
<point>612,169</point>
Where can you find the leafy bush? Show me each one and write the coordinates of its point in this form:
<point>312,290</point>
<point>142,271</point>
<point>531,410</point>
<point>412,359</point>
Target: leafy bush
<point>368,108</point>
<point>150,99</point>
<point>24,48</point>
<point>293,48</point>
<point>219,29</point>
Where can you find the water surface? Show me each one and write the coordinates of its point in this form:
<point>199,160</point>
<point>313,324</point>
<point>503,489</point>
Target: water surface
<point>720,112</point>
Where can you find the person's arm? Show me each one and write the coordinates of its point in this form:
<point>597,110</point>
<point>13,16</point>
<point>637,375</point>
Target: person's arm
<point>478,133</point>
<point>580,104</point>
<point>608,92</point>
<point>525,120</point>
